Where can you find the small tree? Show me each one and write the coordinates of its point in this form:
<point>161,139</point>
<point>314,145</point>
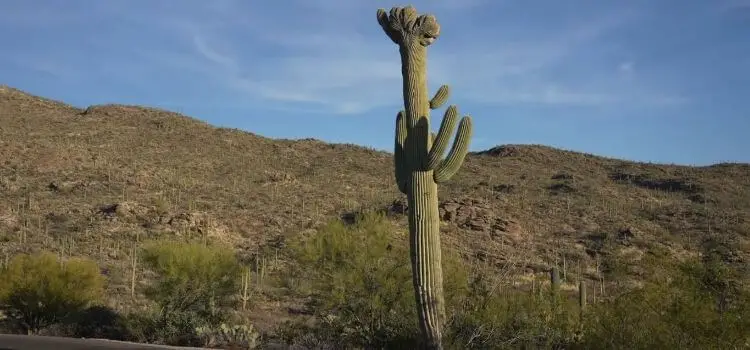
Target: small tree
<point>192,278</point>
<point>39,290</point>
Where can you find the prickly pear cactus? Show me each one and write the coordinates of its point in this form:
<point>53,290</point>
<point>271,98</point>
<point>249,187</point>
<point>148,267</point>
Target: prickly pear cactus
<point>419,162</point>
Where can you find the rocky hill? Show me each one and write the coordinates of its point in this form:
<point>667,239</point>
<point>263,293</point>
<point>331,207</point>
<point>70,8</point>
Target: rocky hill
<point>93,181</point>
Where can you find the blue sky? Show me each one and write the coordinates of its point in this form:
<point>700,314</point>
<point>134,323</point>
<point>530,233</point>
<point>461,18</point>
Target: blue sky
<point>662,81</point>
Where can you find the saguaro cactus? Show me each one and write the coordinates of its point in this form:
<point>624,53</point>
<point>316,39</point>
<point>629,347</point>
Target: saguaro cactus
<point>554,276</point>
<point>419,162</point>
<point>582,295</point>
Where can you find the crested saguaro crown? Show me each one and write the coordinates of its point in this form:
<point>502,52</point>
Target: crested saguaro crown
<point>419,164</point>
<point>405,26</point>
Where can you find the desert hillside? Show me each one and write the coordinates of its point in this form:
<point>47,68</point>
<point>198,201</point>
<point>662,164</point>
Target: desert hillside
<point>92,181</point>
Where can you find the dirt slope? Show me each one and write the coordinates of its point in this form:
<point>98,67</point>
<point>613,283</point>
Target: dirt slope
<point>91,181</point>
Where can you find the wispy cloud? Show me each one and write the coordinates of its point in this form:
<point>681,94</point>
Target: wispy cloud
<point>626,68</point>
<point>331,57</point>
<point>209,53</point>
<point>669,74</point>
<point>344,72</point>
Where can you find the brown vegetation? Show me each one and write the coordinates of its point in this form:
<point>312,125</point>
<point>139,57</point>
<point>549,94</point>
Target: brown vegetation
<point>92,182</point>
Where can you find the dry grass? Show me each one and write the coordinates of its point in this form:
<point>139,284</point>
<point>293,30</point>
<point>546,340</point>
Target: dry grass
<point>92,182</point>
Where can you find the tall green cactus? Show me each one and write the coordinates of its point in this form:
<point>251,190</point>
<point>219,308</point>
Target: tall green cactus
<point>419,162</point>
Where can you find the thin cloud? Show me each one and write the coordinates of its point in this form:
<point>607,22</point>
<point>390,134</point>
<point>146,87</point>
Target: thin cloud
<point>626,67</point>
<point>331,56</point>
<point>45,65</point>
<point>212,55</point>
<point>626,70</point>
<point>344,71</point>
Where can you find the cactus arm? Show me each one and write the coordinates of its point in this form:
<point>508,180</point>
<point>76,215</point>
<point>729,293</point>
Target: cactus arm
<point>440,97</point>
<point>401,171</point>
<point>389,27</point>
<point>450,165</point>
<point>440,143</point>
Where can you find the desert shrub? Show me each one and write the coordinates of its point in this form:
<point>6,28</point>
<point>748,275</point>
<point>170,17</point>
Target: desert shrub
<point>192,276</point>
<point>242,336</point>
<point>98,322</point>
<point>194,286</point>
<point>157,327</point>
<point>497,316</point>
<point>39,290</point>
<point>689,310</point>
<point>358,280</point>
<point>141,327</point>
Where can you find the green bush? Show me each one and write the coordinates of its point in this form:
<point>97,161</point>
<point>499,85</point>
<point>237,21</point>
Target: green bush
<point>195,285</point>
<point>505,318</point>
<point>696,308</point>
<point>358,281</point>
<point>39,290</point>
<point>98,322</point>
<point>141,327</point>
<point>243,336</point>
